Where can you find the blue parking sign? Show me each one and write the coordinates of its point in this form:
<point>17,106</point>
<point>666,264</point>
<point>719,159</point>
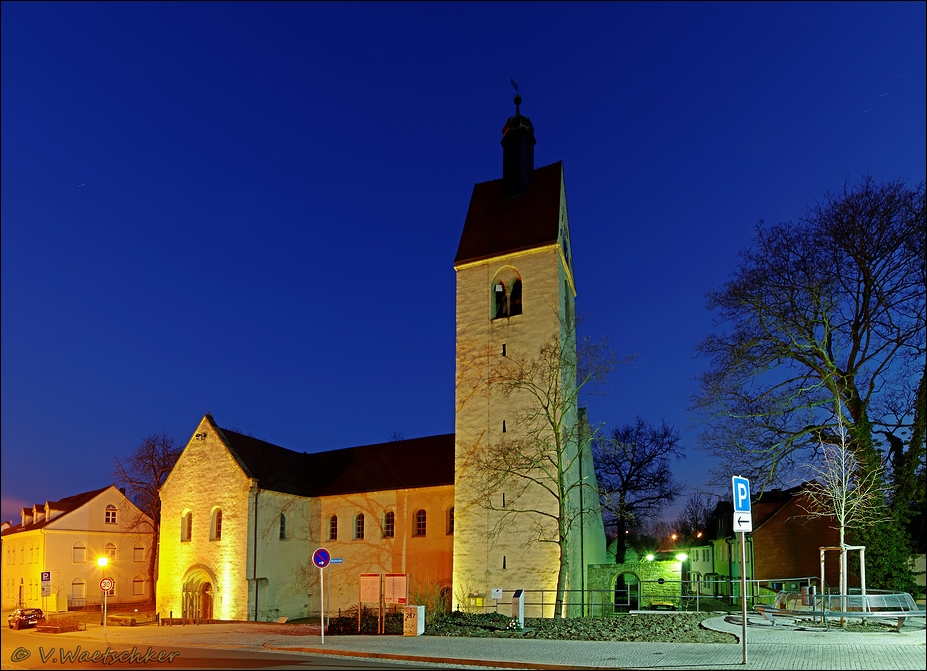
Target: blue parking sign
<point>741,494</point>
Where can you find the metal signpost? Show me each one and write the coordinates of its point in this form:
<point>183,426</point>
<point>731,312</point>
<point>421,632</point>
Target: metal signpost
<point>322,558</point>
<point>46,590</point>
<point>106,585</point>
<point>743,522</point>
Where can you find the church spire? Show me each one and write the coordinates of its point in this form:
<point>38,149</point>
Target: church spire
<point>517,152</point>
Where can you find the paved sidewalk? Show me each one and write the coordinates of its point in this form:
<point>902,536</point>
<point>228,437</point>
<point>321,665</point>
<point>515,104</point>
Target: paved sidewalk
<point>780,647</point>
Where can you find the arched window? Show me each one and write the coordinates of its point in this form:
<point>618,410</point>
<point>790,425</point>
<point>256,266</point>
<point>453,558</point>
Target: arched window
<point>282,527</point>
<point>359,526</point>
<point>78,552</point>
<point>506,290</point>
<point>138,586</point>
<point>78,588</point>
<point>110,551</point>
<point>500,301</point>
<point>333,528</point>
<point>389,524</point>
<point>215,525</point>
<point>110,514</point>
<point>515,297</point>
<point>186,526</point>
<point>419,522</point>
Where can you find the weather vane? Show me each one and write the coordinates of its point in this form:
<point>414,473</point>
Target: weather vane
<point>517,95</point>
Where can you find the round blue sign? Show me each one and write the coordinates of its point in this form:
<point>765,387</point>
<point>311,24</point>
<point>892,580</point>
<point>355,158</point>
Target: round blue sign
<point>321,557</point>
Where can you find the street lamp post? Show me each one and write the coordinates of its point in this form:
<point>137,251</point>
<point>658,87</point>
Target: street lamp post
<point>103,561</point>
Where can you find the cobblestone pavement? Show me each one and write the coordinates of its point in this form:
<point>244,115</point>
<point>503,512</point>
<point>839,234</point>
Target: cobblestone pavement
<point>786,646</point>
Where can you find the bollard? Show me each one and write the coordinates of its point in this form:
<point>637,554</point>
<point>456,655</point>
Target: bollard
<point>518,607</point>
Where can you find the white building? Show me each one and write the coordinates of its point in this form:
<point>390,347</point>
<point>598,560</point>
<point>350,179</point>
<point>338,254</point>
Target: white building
<point>65,538</point>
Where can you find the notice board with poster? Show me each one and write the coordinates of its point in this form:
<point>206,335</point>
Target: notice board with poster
<point>371,591</point>
<point>396,588</point>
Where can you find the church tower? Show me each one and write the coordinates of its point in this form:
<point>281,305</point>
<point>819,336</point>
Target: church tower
<point>515,293</point>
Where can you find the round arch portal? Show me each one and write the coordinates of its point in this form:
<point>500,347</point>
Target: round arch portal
<point>199,593</point>
<point>627,592</point>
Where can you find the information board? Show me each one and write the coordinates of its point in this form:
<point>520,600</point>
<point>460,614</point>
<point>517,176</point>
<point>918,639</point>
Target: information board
<point>370,588</point>
<point>396,588</point>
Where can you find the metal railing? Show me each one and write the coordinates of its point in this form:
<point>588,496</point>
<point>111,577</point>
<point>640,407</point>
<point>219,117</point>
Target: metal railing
<point>648,595</point>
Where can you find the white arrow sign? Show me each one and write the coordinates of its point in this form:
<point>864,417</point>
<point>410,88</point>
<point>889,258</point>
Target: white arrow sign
<point>743,522</point>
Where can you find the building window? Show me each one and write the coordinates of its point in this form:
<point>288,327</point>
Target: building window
<point>110,551</point>
<point>78,588</point>
<point>506,290</point>
<point>450,521</point>
<point>419,522</point>
<point>389,524</point>
<point>78,553</point>
<point>186,526</point>
<point>138,553</point>
<point>215,525</point>
<point>359,526</point>
<point>282,527</point>
<point>515,297</point>
<point>138,586</point>
<point>333,528</point>
<point>112,592</point>
<point>111,514</point>
<point>500,304</point>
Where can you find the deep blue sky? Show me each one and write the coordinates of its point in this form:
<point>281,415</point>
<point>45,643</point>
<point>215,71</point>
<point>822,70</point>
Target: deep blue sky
<point>253,209</point>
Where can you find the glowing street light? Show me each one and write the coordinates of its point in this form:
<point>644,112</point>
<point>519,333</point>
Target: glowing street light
<point>103,561</point>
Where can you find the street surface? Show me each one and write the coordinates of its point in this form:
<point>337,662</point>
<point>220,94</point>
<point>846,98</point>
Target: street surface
<point>28,649</point>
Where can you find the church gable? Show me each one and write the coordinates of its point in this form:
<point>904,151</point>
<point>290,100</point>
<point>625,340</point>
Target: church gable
<point>206,456</point>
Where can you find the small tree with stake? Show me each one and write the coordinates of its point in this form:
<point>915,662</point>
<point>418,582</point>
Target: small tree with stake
<point>843,491</point>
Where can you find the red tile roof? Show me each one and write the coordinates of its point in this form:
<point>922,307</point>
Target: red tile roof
<point>496,224</point>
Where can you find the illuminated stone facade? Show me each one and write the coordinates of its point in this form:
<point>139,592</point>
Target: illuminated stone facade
<point>515,292</point>
<point>276,509</point>
<point>527,238</point>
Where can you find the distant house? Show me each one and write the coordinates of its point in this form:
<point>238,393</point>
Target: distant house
<point>65,538</point>
<point>783,548</point>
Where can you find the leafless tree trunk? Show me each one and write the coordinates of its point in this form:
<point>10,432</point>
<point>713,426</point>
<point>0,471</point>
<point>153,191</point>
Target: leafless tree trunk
<point>142,474</point>
<point>537,461</point>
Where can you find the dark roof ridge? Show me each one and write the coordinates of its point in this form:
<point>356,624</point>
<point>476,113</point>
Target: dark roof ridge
<point>499,179</point>
<point>405,464</point>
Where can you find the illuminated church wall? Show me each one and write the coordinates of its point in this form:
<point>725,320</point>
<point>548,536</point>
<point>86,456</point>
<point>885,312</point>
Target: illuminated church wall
<point>206,478</point>
<point>478,564</point>
<point>427,558</point>
<point>282,551</point>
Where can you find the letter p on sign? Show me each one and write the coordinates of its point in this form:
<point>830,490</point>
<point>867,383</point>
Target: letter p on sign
<point>741,494</point>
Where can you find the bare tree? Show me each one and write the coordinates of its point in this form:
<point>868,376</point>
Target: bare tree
<point>142,474</point>
<point>695,518</point>
<point>635,478</point>
<point>844,492</point>
<point>660,533</point>
<point>538,460</point>
<point>829,306</point>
